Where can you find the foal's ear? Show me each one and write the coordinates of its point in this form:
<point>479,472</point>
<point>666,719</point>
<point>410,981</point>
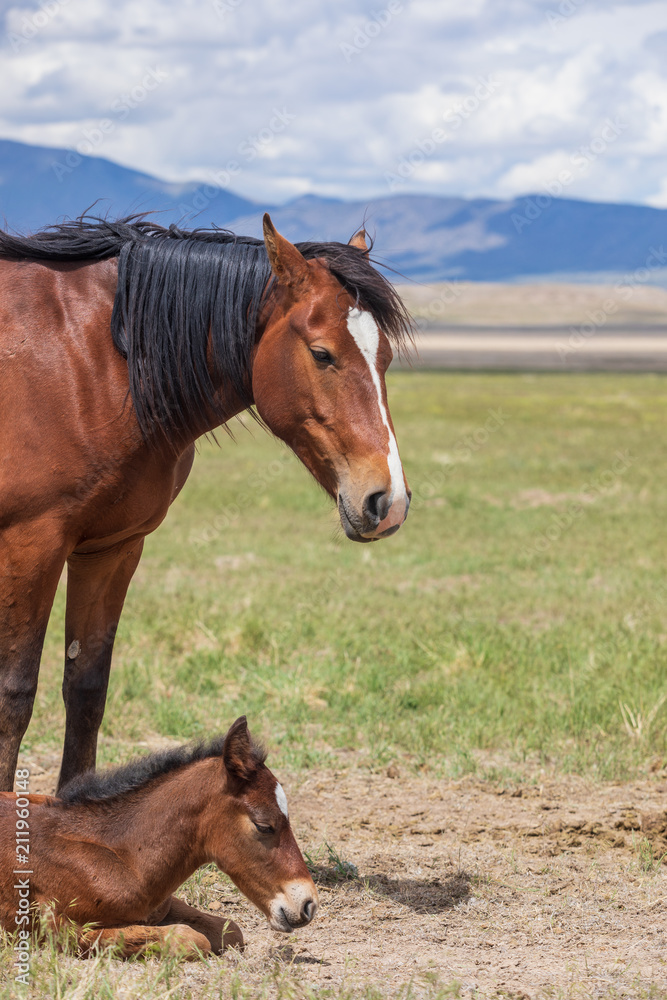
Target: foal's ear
<point>288,265</point>
<point>238,755</point>
<point>359,241</point>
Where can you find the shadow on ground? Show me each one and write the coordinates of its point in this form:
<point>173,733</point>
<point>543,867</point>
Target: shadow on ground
<point>421,895</point>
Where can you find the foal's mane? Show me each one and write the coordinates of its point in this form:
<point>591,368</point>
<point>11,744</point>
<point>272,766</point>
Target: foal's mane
<point>94,786</point>
<point>175,287</point>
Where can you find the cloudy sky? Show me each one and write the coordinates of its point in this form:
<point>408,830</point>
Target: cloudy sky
<point>349,98</point>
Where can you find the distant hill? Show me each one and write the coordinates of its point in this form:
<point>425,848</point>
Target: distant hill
<point>431,238</point>
<point>39,186</point>
<point>423,236</point>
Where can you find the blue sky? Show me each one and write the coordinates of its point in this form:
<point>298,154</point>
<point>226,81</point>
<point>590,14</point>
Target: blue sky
<point>348,98</point>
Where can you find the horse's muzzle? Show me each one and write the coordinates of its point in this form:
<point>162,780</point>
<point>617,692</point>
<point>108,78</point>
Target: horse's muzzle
<point>378,518</point>
<point>294,907</point>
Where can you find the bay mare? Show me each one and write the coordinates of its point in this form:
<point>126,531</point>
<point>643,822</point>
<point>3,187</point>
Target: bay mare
<point>107,854</point>
<point>123,342</point>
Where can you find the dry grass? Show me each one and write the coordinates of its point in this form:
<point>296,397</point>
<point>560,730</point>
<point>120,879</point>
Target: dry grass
<point>460,649</point>
<point>550,887</point>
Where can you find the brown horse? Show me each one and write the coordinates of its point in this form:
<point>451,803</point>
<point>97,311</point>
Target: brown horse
<point>113,847</point>
<point>191,328</point>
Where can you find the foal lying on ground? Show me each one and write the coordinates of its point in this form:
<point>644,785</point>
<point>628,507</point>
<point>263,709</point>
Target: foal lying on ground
<point>112,848</point>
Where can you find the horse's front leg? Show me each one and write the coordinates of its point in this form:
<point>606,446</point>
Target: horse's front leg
<point>137,939</point>
<point>96,587</point>
<point>221,933</point>
<point>32,556</point>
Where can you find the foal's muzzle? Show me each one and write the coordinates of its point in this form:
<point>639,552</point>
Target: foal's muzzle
<point>294,907</point>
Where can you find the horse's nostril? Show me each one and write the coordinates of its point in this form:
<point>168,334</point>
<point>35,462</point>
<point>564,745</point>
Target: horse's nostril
<point>308,909</point>
<point>375,506</point>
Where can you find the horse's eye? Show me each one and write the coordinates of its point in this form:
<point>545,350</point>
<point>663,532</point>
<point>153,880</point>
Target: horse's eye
<point>321,355</point>
<point>265,830</point>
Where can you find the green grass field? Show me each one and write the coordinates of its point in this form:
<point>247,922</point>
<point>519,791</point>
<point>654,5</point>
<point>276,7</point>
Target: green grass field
<point>513,627</point>
<point>517,619</point>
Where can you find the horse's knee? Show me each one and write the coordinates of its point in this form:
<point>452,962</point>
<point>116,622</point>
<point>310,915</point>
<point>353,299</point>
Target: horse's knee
<point>17,695</point>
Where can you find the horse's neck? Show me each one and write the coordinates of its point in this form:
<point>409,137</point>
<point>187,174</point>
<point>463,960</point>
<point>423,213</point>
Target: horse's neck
<point>156,830</point>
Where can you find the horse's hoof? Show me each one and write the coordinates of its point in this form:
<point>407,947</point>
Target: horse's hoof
<point>232,937</point>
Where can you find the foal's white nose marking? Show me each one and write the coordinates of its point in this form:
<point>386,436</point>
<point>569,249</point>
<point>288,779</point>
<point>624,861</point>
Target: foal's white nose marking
<point>281,799</point>
<point>366,336</point>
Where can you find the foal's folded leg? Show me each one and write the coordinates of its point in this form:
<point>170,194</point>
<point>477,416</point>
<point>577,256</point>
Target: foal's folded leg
<point>135,939</point>
<point>221,933</point>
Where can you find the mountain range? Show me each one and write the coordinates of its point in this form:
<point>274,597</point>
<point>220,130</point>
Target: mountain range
<point>424,237</point>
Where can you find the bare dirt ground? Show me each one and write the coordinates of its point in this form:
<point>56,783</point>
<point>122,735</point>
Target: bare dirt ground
<point>539,327</point>
<point>483,304</point>
<point>551,889</point>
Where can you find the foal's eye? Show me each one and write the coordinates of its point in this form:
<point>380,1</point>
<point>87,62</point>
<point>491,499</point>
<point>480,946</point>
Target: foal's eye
<point>321,355</point>
<point>265,830</point>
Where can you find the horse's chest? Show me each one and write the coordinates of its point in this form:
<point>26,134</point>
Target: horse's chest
<point>128,501</point>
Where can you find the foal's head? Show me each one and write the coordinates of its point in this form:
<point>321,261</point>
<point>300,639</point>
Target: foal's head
<point>253,841</point>
<point>319,383</point>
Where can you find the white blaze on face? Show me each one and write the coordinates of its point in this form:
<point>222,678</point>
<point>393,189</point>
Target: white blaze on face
<point>281,799</point>
<point>366,336</point>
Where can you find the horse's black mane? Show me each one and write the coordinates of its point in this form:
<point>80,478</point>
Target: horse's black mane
<point>94,786</point>
<point>175,287</point>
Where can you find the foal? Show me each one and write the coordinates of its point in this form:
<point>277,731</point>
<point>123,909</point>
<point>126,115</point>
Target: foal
<point>112,849</point>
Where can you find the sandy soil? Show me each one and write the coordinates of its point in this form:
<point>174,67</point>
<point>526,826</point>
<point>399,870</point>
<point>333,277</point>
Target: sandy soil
<point>538,327</point>
<point>542,303</point>
<point>473,349</point>
<point>550,889</point>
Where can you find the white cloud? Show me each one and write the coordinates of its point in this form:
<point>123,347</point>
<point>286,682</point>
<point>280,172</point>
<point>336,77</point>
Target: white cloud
<point>361,84</point>
<point>659,200</point>
<point>535,175</point>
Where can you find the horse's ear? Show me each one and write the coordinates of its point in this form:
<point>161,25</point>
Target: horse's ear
<point>238,755</point>
<point>288,265</point>
<point>359,241</point>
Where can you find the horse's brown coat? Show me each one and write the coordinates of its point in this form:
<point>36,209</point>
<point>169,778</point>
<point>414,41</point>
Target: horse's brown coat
<point>80,485</point>
<point>115,863</point>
